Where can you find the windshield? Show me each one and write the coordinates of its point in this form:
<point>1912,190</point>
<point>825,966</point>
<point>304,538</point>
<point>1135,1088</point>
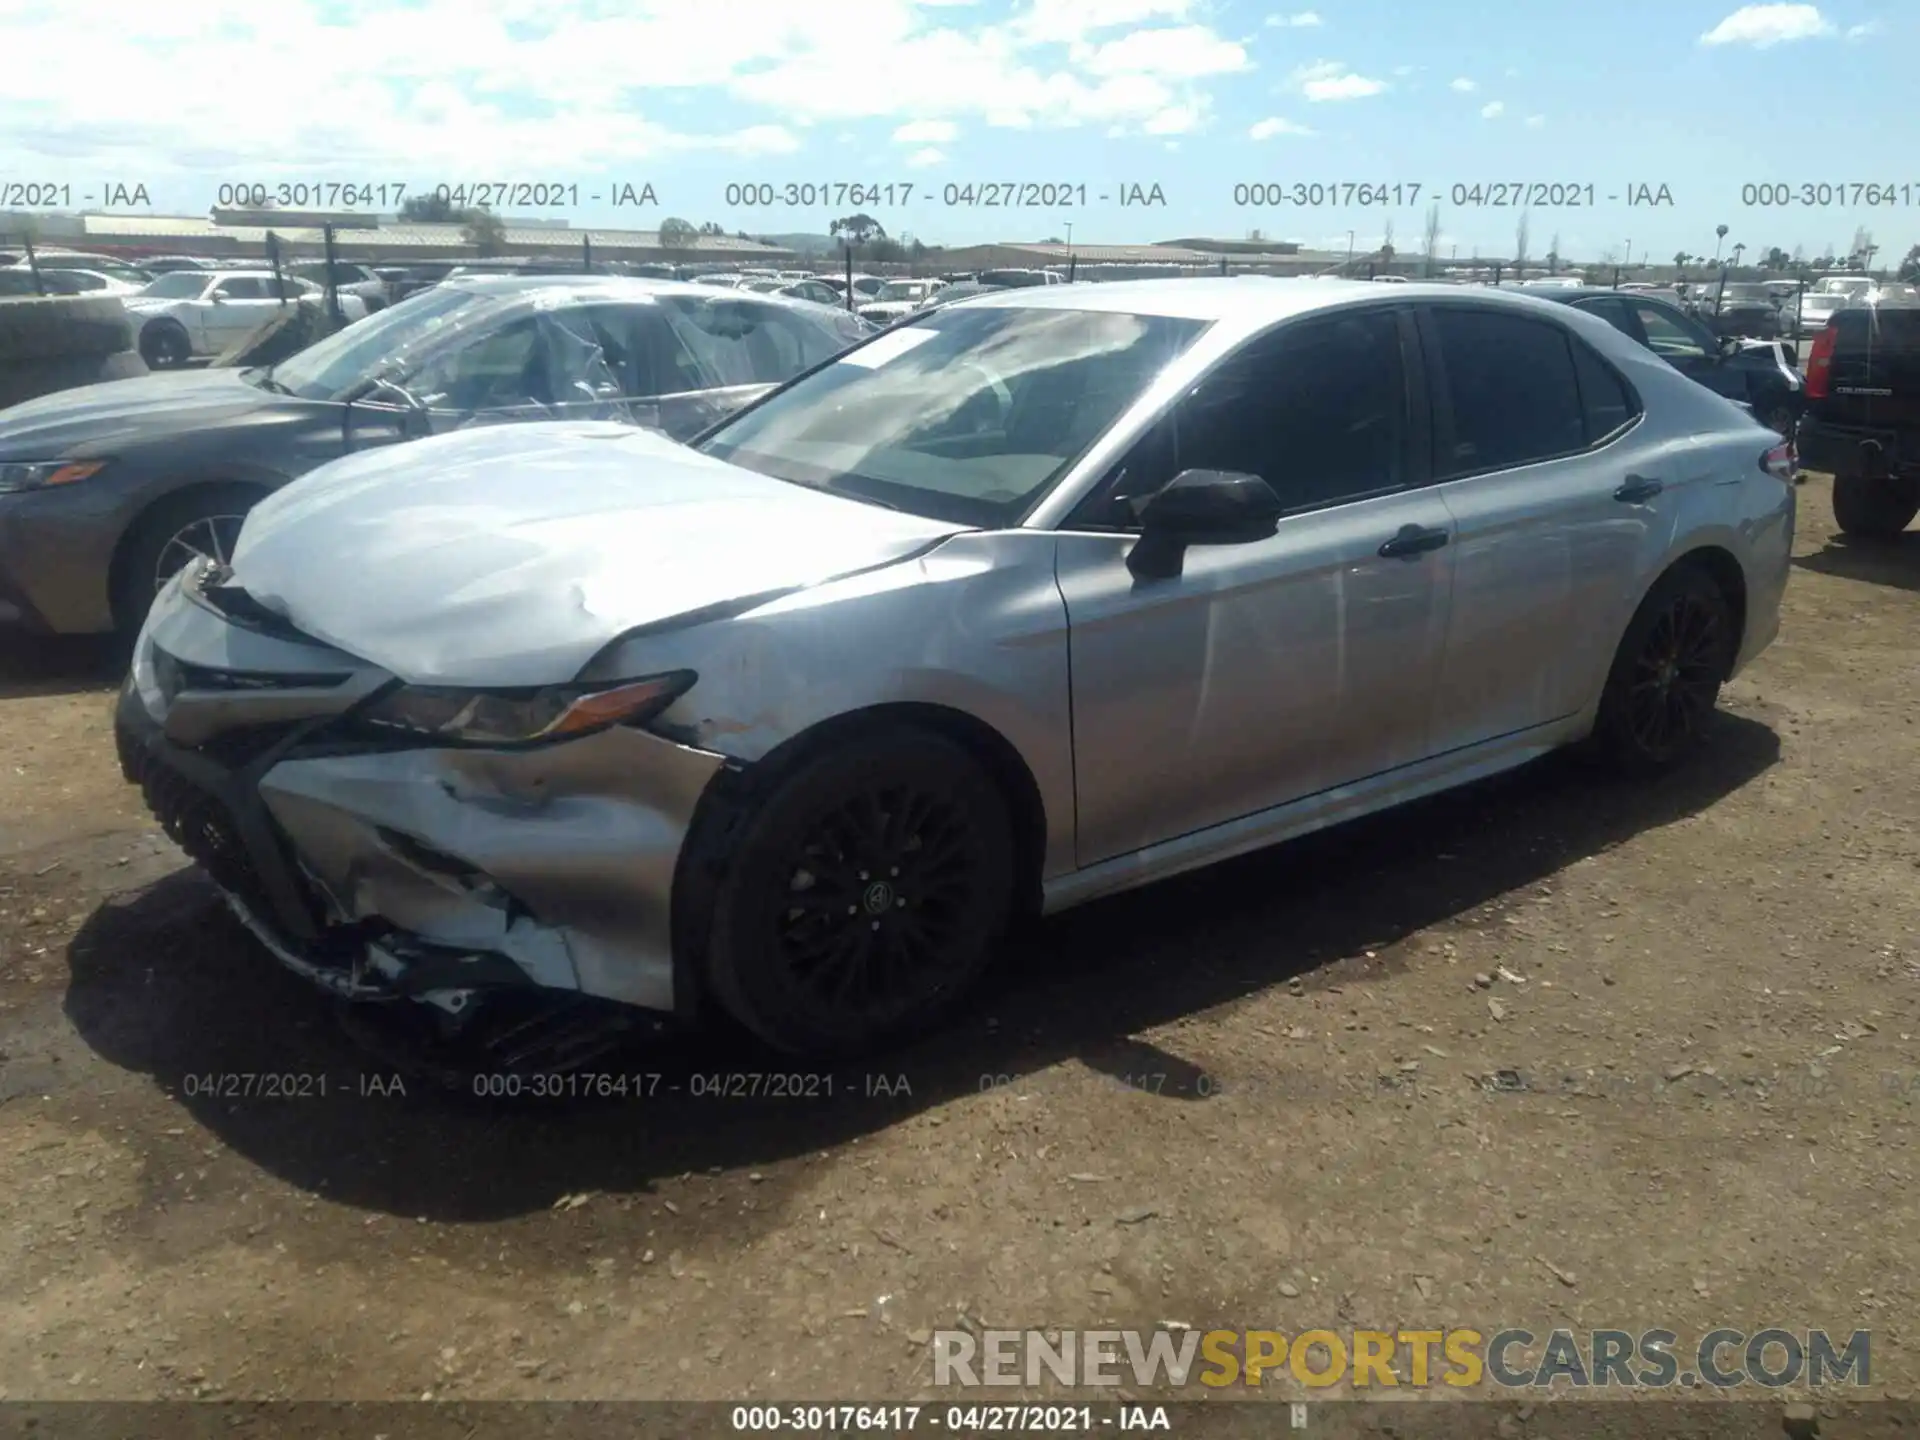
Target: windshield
<point>1748,292</point>
<point>180,285</point>
<point>329,368</point>
<point>1834,286</point>
<point>903,290</point>
<point>967,415</point>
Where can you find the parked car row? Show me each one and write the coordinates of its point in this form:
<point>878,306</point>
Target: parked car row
<point>107,490</point>
<point>1038,595</point>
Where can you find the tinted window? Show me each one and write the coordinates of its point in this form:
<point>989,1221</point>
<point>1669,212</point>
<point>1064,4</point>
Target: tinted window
<point>243,287</point>
<point>79,281</point>
<point>498,369</point>
<point>1614,312</point>
<point>1512,390</point>
<point>1668,335</point>
<point>181,285</point>
<point>1608,403</point>
<point>1318,411</point>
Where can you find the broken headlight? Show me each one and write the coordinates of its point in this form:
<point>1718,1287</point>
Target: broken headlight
<point>522,717</point>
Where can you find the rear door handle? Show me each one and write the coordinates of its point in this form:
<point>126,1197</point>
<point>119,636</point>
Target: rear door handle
<point>1413,541</point>
<point>1637,489</point>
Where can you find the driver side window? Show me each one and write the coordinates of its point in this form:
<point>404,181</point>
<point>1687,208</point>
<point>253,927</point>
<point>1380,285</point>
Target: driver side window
<point>497,369</point>
<point>1318,410</point>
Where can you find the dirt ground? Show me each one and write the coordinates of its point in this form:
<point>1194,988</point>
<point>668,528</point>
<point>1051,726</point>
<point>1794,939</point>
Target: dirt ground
<point>1552,1051</point>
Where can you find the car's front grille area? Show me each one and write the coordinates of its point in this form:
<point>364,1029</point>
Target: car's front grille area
<point>240,747</point>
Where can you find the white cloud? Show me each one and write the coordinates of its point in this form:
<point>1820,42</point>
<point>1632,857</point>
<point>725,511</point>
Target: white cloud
<point>1174,120</point>
<point>927,132</point>
<point>1863,30</point>
<point>1464,86</point>
<point>927,158</point>
<point>1536,122</point>
<point>1304,20</point>
<point>1765,25</point>
<point>1331,80</point>
<point>293,91</point>
<point>1492,110</point>
<point>1187,53</point>
<point>1405,70</point>
<point>1273,125</point>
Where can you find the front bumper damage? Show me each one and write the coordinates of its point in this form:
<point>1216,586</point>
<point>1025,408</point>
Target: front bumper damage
<point>382,872</point>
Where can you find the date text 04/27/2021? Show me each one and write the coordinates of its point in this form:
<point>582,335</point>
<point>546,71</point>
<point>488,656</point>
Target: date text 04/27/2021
<point>1461,194</point>
<point>954,195</point>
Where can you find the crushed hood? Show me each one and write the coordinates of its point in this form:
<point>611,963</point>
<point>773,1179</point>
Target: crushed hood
<point>94,420</point>
<point>511,555</point>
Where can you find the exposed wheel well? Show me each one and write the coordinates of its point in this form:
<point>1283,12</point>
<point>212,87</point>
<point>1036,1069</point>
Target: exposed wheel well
<point>1720,566</point>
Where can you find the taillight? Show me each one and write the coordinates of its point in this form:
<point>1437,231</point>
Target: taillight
<point>1820,361</point>
<point>1779,461</point>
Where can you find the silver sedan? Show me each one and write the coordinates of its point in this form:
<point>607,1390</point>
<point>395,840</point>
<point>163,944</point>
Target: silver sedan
<point>1044,595</point>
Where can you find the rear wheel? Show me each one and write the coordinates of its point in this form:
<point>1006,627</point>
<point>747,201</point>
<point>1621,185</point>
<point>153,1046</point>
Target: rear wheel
<point>865,896</point>
<point>1667,674</point>
<point>1875,507</point>
<point>164,345</point>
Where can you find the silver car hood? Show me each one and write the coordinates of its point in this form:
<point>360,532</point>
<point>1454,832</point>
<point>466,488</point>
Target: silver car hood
<point>511,555</point>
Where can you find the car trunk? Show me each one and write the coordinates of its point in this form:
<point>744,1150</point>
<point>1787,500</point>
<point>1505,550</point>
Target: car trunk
<point>1874,377</point>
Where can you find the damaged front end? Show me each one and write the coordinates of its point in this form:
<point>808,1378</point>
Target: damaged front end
<point>394,844</point>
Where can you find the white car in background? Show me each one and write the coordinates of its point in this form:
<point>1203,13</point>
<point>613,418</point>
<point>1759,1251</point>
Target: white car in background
<point>1833,292</point>
<point>68,280</point>
<point>192,313</point>
<point>899,298</point>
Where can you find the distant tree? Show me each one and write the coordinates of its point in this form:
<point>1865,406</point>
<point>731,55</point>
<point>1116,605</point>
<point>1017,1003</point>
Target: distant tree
<point>857,230</point>
<point>1553,256</point>
<point>676,234</point>
<point>431,208</point>
<point>483,230</point>
<point>1056,240</point>
<point>1431,238</point>
<point>1799,255</point>
<point>1910,267</point>
<point>712,228</point>
<point>1387,251</point>
<point>1826,262</point>
<point>1862,242</point>
<point>1520,245</point>
<point>1681,259</point>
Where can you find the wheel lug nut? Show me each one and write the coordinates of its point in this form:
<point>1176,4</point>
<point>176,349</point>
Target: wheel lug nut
<point>876,924</point>
<point>863,874</point>
<point>853,909</point>
<point>897,904</point>
<point>894,871</point>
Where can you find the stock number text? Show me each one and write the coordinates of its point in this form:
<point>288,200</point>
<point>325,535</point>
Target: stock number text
<point>312,194</point>
<point>1832,194</point>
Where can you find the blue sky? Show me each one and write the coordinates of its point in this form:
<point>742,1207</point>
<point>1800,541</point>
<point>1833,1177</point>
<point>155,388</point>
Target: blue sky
<point>951,96</point>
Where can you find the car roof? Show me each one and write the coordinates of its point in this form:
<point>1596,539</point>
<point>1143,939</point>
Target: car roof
<point>1249,303</point>
<point>628,287</point>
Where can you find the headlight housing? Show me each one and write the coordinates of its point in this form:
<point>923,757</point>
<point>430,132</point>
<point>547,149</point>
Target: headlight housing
<point>521,717</point>
<point>17,475</point>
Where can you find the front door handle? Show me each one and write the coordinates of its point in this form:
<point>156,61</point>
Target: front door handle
<point>1413,541</point>
<point>1637,489</point>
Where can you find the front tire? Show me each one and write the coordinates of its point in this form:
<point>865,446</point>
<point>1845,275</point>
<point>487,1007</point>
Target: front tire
<point>204,521</point>
<point>1875,507</point>
<point>865,896</point>
<point>1667,674</point>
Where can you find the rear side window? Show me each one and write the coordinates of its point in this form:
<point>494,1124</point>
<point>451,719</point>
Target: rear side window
<point>1614,312</point>
<point>1605,398</point>
<point>1511,390</point>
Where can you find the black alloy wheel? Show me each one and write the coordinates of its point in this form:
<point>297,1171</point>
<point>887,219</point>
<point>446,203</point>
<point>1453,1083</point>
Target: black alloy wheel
<point>164,346</point>
<point>865,897</point>
<point>1667,675</point>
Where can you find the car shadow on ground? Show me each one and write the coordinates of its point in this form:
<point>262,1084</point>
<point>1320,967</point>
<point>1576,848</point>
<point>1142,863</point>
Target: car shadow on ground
<point>59,665</point>
<point>163,983</point>
<point>1894,562</point>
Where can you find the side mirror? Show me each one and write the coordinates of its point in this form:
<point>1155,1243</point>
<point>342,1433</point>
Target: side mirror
<point>1201,507</point>
<point>1729,345</point>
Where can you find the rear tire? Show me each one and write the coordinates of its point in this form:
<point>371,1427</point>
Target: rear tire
<point>1666,675</point>
<point>865,896</point>
<point>164,345</point>
<point>1875,507</point>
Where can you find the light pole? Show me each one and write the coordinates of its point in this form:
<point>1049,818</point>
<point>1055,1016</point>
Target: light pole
<point>1349,248</point>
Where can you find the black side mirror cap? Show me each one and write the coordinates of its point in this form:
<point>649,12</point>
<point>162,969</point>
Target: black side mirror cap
<point>1202,507</point>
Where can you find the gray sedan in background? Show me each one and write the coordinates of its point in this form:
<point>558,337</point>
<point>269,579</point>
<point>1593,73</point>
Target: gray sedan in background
<point>1032,599</point>
<point>108,489</point>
